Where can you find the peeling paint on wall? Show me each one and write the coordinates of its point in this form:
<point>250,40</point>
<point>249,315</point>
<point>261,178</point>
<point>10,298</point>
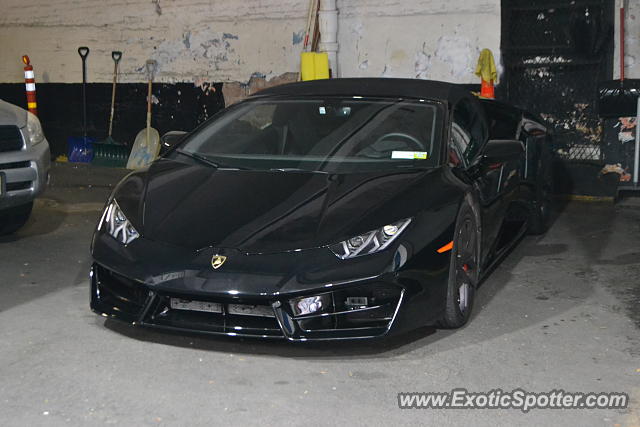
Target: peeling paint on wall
<point>204,85</point>
<point>297,37</point>
<point>457,53</point>
<point>236,91</point>
<point>158,8</point>
<point>422,64</point>
<point>186,39</point>
<point>212,49</point>
<point>229,41</point>
<point>423,40</point>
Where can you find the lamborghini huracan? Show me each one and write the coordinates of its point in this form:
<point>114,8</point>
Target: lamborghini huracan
<point>331,209</point>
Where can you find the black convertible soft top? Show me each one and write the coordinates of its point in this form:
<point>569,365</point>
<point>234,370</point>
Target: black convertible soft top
<point>373,87</point>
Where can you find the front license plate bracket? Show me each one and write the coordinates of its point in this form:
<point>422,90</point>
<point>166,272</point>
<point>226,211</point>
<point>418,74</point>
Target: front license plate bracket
<point>202,306</point>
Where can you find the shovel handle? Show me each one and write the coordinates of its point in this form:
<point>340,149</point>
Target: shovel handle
<point>116,55</point>
<point>151,68</point>
<point>83,51</point>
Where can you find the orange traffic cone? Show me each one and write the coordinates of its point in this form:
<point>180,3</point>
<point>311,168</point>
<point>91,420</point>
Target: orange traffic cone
<point>487,90</point>
<point>486,70</point>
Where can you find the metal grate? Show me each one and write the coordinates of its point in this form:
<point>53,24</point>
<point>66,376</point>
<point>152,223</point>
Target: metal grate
<point>563,94</point>
<point>10,139</point>
<point>555,53</point>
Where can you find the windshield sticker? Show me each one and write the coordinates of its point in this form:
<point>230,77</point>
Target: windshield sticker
<point>409,155</point>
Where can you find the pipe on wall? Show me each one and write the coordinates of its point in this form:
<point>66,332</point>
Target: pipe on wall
<point>328,23</point>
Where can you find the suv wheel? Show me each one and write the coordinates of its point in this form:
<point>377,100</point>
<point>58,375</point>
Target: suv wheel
<point>14,218</point>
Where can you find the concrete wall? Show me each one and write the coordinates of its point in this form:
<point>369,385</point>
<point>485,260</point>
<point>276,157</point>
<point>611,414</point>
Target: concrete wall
<point>234,40</point>
<point>427,39</point>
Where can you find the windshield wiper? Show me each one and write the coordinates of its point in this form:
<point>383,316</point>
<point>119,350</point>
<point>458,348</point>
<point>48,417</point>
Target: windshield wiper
<point>208,161</point>
<point>294,170</point>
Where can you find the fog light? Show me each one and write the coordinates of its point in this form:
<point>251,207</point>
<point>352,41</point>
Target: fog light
<point>309,305</point>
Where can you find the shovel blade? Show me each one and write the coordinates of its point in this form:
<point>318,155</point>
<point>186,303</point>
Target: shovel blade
<point>143,153</point>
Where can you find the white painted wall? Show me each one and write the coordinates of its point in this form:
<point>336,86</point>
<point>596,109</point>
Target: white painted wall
<point>427,39</point>
<point>231,40</point>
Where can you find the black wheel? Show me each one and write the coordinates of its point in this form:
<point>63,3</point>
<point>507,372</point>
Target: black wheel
<point>14,218</point>
<point>541,209</point>
<point>463,270</point>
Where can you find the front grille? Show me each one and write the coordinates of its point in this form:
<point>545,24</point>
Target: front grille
<point>10,139</point>
<point>15,165</point>
<point>361,311</point>
<point>161,314</point>
<point>120,294</point>
<point>371,317</point>
<point>16,186</point>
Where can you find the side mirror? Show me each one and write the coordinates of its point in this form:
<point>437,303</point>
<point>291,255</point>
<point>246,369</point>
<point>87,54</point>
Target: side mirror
<point>498,151</point>
<point>170,140</point>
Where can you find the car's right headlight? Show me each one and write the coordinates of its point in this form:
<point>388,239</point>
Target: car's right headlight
<point>117,225</point>
<point>371,242</point>
<point>34,129</point>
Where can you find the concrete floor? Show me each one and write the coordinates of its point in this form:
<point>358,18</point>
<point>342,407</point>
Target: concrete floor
<point>560,312</point>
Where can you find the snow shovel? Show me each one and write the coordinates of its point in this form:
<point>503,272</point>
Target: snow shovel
<point>147,143</point>
<point>80,148</point>
<point>108,152</point>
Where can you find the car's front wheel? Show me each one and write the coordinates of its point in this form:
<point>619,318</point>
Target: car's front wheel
<point>463,270</point>
<point>12,219</point>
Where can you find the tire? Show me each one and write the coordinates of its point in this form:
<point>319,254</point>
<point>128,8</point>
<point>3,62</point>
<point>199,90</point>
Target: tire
<point>12,219</point>
<point>463,270</point>
<point>541,210</point>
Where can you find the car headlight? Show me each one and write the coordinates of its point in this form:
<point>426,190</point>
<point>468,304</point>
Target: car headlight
<point>371,242</point>
<point>34,129</point>
<point>117,225</point>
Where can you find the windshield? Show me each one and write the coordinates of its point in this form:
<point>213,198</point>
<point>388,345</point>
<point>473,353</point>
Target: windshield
<point>325,135</point>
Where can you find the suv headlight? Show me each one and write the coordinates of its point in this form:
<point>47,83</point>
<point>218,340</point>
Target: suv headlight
<point>371,242</point>
<point>34,129</point>
<point>117,225</point>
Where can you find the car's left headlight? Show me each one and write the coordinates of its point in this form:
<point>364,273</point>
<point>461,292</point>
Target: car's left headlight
<point>371,242</point>
<point>117,225</point>
<point>34,129</point>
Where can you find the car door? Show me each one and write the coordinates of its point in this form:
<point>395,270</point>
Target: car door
<point>505,123</point>
<point>493,183</point>
<point>537,154</point>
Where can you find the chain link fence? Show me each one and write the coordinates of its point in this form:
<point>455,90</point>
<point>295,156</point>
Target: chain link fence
<point>555,53</point>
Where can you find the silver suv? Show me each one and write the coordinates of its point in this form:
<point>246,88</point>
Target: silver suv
<point>24,165</point>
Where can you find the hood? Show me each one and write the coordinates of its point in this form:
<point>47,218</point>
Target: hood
<point>12,115</point>
<point>195,206</point>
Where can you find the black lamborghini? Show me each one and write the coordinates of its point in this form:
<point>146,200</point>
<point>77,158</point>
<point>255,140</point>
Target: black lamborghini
<point>333,209</point>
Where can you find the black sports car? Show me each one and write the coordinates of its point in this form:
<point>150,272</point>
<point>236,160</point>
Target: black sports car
<point>346,208</point>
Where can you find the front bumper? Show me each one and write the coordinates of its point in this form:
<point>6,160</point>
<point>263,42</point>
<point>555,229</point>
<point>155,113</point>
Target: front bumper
<point>393,291</point>
<point>25,174</point>
<point>119,297</point>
